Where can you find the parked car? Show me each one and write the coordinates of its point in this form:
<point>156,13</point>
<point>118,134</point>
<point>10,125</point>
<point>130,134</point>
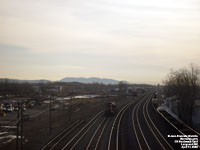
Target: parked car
<point>9,108</point>
<point>23,107</point>
<point>16,107</point>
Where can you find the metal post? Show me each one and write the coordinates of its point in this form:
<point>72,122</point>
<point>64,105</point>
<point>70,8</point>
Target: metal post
<point>50,116</point>
<point>17,139</point>
<point>21,126</point>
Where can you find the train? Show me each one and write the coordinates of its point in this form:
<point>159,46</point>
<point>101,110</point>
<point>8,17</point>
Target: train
<point>110,109</point>
<point>155,98</point>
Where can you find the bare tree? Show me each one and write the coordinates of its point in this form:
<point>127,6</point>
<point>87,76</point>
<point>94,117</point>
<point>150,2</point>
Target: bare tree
<point>184,83</point>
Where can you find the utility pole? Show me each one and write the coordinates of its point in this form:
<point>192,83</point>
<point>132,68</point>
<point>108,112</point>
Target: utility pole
<point>70,105</point>
<point>21,125</point>
<point>70,108</point>
<point>50,115</point>
<point>17,139</point>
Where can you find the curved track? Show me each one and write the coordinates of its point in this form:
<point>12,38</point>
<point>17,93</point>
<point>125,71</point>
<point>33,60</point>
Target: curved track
<point>58,138</point>
<point>154,130</point>
<point>178,127</point>
<point>135,126</point>
<point>88,136</point>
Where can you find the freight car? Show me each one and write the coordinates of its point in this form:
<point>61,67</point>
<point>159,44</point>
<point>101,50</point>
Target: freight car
<point>110,109</point>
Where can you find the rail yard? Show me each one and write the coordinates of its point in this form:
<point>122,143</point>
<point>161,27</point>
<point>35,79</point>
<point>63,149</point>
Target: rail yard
<point>135,124</point>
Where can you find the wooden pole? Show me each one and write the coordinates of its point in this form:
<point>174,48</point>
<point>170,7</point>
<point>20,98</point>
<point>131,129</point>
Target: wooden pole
<point>21,126</point>
<point>17,139</point>
<point>50,116</point>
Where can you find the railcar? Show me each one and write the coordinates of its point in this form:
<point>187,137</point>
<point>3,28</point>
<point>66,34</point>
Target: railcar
<point>110,109</point>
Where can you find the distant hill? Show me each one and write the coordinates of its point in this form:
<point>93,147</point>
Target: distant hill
<point>90,80</point>
<point>70,79</point>
<point>6,80</point>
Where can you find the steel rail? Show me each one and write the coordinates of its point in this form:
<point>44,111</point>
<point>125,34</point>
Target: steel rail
<point>173,124</point>
<point>111,132</point>
<point>100,136</point>
<point>65,135</point>
<point>136,122</point>
<point>89,144</point>
<point>118,126</point>
<point>88,130</point>
<point>58,136</point>
<point>120,115</point>
<point>156,127</point>
<point>93,120</point>
<point>152,127</point>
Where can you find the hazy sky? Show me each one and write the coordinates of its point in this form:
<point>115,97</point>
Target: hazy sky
<point>137,41</point>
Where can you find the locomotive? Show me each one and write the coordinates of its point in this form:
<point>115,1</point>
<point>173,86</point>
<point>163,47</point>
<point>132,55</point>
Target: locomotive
<point>155,98</point>
<point>110,109</point>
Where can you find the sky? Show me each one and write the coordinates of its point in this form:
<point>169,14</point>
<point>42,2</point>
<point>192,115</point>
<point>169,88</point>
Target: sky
<point>136,41</point>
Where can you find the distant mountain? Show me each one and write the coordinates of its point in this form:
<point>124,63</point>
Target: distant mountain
<point>6,80</point>
<point>90,80</point>
<point>70,79</point>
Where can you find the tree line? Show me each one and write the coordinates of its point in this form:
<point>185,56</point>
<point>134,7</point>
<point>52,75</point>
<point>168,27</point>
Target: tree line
<point>184,83</point>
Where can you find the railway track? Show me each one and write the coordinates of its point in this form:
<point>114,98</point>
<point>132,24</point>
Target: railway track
<point>97,133</point>
<point>73,139</point>
<point>154,130</point>
<point>114,133</point>
<point>147,134</point>
<point>100,124</point>
<point>114,130</point>
<point>78,136</point>
<point>96,138</point>
<point>115,136</point>
<point>141,139</point>
<point>11,124</point>
<point>180,127</point>
<point>58,138</point>
<point>107,133</point>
